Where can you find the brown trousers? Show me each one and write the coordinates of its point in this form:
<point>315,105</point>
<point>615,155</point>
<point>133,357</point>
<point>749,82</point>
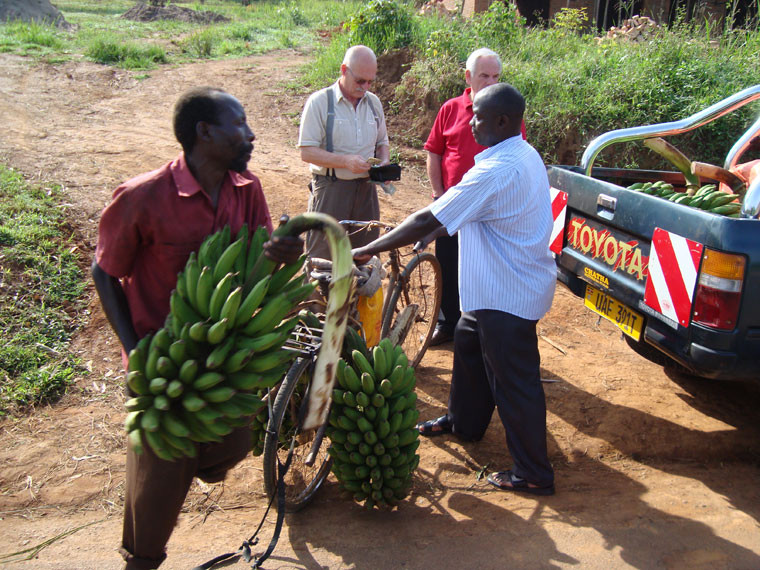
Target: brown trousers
<point>156,490</point>
<point>343,200</point>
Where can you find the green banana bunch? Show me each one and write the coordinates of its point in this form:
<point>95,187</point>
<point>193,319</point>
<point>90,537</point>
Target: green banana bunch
<point>372,423</point>
<point>707,197</point>
<point>204,373</point>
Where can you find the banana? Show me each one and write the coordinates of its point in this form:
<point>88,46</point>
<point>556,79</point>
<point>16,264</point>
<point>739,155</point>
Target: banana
<point>208,414</point>
<point>158,445</point>
<point>285,273</point>
<point>263,342</point>
<point>178,352</point>
<point>150,421</point>
<point>161,341</point>
<point>132,422</point>
<point>269,360</point>
<point>379,362</point>
<point>217,356</point>
<point>136,359</point>
<point>192,403</point>
<point>151,364</point>
<point>362,364</point>
<point>255,249</point>
<point>721,199</point>
<point>300,293</point>
<point>198,430</point>
<point>135,441</point>
<point>181,310</point>
<point>206,257</point>
<point>368,383</point>
<point>139,403</point>
<point>161,402</point>
<point>229,409</point>
<point>204,290</point>
<point>219,296</point>
<point>237,360</point>
<point>175,388</point>
<point>217,332</point>
<point>199,331</point>
<point>353,382</point>
<point>166,367</point>
<point>244,381</point>
<point>269,316</point>
<point>231,305</point>
<point>252,302</point>
<point>706,189</point>
<point>190,277</point>
<point>188,371</point>
<point>242,236</point>
<point>181,445</point>
<point>727,209</point>
<point>207,380</point>
<point>218,394</point>
<point>138,383</point>
<point>158,385</point>
<point>226,261</point>
<point>219,427</point>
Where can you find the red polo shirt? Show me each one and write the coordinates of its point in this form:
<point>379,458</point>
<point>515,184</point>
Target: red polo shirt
<point>153,223</point>
<point>451,137</point>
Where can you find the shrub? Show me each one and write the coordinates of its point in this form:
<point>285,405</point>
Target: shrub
<point>382,25</point>
<point>125,54</point>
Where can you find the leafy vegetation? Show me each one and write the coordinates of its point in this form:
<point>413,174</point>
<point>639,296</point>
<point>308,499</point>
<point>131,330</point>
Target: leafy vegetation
<point>577,86</point>
<point>41,290</point>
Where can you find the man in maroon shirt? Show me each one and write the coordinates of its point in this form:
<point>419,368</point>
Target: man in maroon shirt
<point>451,152</point>
<point>144,239</point>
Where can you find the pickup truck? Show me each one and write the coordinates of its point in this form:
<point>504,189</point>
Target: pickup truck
<point>683,284</point>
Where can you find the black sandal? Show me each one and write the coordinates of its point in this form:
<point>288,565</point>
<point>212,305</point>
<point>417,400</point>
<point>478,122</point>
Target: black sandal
<point>517,484</point>
<point>438,426</point>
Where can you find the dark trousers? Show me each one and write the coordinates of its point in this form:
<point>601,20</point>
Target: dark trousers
<point>156,490</point>
<point>343,200</point>
<point>497,364</point>
<point>447,252</point>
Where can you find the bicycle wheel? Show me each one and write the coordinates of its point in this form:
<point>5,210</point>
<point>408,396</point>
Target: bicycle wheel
<point>419,284</point>
<point>301,480</point>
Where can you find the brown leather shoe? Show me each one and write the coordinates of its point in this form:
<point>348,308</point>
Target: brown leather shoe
<point>441,334</point>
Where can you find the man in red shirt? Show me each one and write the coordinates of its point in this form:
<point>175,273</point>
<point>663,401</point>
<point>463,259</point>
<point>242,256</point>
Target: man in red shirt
<point>144,239</point>
<point>451,152</point>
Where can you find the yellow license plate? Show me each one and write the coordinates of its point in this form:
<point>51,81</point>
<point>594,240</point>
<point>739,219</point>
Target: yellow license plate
<point>626,319</point>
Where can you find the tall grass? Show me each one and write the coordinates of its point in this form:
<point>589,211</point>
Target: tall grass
<point>41,291</point>
<point>576,86</point>
<point>129,55</point>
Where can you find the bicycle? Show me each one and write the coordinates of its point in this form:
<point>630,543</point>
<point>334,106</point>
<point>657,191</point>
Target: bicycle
<point>409,315</point>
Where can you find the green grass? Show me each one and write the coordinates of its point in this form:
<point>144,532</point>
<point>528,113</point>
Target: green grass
<point>104,37</point>
<point>41,294</point>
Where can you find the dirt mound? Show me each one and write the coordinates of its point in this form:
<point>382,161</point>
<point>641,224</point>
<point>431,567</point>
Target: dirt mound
<point>143,13</point>
<point>32,11</point>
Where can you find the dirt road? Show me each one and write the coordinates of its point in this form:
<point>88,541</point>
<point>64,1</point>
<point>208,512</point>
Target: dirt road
<point>654,470</point>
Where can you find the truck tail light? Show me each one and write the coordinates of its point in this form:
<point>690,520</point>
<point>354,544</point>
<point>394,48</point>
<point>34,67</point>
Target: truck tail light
<point>719,290</point>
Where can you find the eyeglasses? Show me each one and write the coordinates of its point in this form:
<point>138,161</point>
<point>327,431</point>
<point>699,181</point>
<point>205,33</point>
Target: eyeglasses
<point>359,81</point>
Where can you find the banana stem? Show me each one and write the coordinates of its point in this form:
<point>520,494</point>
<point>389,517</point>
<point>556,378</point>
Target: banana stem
<point>677,159</point>
<point>338,305</point>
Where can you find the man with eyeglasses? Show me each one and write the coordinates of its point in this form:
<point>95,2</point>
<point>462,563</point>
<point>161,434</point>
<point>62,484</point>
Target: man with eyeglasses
<point>342,132</point>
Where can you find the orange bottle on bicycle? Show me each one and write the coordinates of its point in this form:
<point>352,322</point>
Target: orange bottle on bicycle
<point>371,316</point>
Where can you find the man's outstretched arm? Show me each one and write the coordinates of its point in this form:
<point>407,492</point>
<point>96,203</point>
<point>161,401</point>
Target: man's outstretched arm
<point>414,228</point>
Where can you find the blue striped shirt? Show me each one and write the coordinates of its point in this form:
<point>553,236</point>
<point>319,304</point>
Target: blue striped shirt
<point>502,211</point>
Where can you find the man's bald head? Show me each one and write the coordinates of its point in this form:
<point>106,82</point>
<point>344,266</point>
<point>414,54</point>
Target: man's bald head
<point>359,55</point>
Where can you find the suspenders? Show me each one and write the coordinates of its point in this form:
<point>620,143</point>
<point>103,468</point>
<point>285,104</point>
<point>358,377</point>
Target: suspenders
<point>331,122</point>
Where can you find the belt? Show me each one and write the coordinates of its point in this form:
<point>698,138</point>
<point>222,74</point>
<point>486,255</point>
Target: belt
<point>365,179</point>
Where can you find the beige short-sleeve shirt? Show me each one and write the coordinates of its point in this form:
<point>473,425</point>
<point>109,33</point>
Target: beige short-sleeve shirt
<point>355,131</point>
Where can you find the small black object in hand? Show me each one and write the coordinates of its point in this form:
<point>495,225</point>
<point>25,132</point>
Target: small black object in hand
<point>385,173</point>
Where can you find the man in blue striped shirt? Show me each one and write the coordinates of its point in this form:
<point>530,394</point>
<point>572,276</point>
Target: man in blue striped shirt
<point>502,212</point>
